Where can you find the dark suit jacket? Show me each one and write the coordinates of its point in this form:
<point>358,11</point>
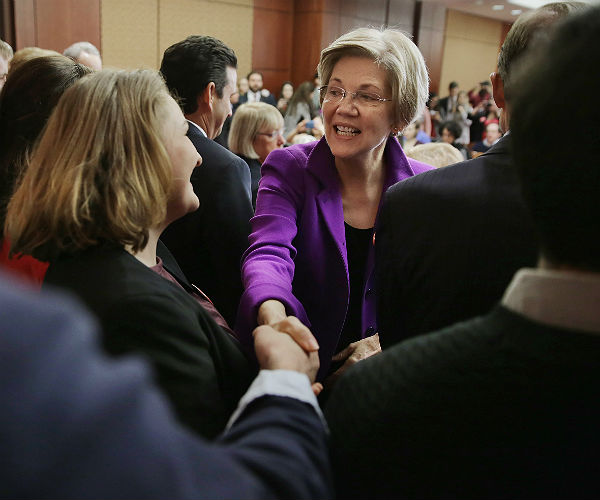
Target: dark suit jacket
<point>496,407</point>
<point>77,425</point>
<point>200,367</point>
<point>270,99</point>
<point>254,166</point>
<point>209,243</point>
<point>448,243</point>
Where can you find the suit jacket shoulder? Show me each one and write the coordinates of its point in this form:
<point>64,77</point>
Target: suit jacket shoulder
<point>209,243</point>
<point>199,366</point>
<point>448,243</point>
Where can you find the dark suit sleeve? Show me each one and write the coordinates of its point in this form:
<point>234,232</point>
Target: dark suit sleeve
<point>76,425</point>
<point>228,233</point>
<point>188,355</point>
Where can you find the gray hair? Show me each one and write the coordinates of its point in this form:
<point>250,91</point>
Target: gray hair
<point>6,50</point>
<point>248,120</point>
<point>399,56</point>
<point>76,49</point>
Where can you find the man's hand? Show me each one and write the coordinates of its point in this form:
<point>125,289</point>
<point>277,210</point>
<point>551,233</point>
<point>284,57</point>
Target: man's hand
<point>293,349</point>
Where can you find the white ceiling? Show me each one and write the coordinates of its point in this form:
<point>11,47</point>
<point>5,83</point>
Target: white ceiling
<point>483,8</point>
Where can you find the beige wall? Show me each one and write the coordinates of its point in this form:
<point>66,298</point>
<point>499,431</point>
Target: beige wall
<point>135,33</point>
<point>470,50</point>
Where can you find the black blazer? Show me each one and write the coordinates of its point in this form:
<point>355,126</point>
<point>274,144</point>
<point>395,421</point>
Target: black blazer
<point>209,243</point>
<point>199,366</point>
<point>495,407</point>
<point>448,243</point>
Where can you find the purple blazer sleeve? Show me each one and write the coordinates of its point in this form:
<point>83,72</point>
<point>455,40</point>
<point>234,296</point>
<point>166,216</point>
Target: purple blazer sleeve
<point>268,263</point>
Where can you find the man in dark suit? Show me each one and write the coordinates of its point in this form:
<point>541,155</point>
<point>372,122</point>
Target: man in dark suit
<point>448,104</point>
<point>449,240</point>
<point>505,405</point>
<point>209,243</point>
<point>75,424</point>
<point>256,93</point>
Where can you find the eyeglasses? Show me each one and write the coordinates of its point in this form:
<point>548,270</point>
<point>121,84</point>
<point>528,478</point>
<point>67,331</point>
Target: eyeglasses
<point>335,95</point>
<point>272,135</point>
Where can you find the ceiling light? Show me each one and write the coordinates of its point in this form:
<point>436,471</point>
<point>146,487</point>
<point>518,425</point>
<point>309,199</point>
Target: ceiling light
<point>498,7</point>
<point>516,12</point>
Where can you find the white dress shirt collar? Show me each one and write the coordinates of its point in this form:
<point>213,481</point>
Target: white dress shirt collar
<point>198,127</point>
<point>562,299</point>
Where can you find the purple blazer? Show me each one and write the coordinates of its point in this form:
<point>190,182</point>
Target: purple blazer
<point>297,251</point>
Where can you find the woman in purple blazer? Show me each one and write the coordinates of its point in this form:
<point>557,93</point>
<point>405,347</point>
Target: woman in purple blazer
<point>311,248</point>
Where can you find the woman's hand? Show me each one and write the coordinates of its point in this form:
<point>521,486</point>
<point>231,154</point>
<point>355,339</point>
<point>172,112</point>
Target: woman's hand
<point>318,128</point>
<point>352,354</point>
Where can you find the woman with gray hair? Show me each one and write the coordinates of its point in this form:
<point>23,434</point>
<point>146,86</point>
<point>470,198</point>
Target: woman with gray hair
<point>311,259</point>
<point>256,130</point>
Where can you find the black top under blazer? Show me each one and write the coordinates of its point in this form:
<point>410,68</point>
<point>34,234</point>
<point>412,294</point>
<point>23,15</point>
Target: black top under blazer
<point>199,366</point>
<point>448,243</point>
<point>208,243</point>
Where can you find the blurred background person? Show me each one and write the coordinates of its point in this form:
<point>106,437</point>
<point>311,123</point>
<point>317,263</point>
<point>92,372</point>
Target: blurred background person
<point>492,136</point>
<point>448,104</point>
<point>299,112</point>
<point>32,90</point>
<point>311,249</point>
<point>450,131</point>
<point>256,130</point>
<point>6,54</point>
<point>285,94</point>
<point>256,92</point>
<point>436,154</point>
<point>85,53</point>
<point>484,93</point>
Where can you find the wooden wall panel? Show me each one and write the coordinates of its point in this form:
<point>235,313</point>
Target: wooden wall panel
<point>61,23</point>
<point>273,31</point>
<point>470,49</point>
<point>25,34</point>
<point>431,40</point>
<point>401,15</point>
<point>130,45</point>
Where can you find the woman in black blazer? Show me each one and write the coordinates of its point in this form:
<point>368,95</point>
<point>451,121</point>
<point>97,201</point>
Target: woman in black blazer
<point>111,171</point>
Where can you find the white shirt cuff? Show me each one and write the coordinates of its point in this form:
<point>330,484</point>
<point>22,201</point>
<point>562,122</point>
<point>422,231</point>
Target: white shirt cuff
<point>286,383</point>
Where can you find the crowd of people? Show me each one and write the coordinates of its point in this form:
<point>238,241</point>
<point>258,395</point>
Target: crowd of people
<point>283,296</point>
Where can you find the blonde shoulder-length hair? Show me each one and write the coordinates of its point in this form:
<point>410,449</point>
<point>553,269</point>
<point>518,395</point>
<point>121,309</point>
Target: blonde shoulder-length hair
<point>397,54</point>
<point>100,172</point>
<point>248,120</point>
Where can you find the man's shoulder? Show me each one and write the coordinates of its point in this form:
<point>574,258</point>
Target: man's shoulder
<point>213,154</point>
<point>463,179</point>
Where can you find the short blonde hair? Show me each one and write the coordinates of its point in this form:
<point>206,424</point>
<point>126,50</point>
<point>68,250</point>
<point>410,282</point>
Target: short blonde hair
<point>436,154</point>
<point>399,56</point>
<point>100,173</point>
<point>248,120</point>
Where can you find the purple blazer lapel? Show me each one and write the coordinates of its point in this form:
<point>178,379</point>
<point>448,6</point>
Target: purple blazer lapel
<point>321,164</point>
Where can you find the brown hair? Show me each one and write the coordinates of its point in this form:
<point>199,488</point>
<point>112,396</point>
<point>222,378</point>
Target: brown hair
<point>100,172</point>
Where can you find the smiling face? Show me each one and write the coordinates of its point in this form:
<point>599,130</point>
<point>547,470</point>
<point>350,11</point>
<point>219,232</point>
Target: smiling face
<point>354,131</point>
<point>184,158</point>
